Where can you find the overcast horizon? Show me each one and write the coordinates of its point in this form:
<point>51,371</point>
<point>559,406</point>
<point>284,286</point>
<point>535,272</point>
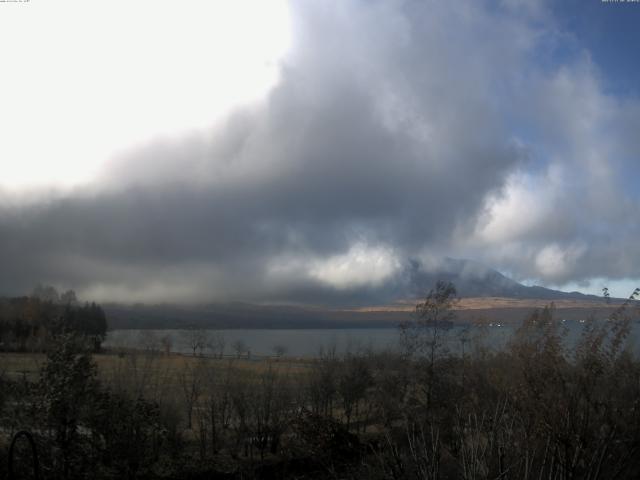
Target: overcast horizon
<point>316,151</point>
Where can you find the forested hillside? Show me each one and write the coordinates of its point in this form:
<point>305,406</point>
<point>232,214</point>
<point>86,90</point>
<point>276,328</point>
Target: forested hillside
<point>29,323</point>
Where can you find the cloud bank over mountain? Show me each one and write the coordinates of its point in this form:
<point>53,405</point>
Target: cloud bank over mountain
<point>398,133</point>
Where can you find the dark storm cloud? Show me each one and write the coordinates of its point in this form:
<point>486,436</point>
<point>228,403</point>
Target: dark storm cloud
<point>387,132</point>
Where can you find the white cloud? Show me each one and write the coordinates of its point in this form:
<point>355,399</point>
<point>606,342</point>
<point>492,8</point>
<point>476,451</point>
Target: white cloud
<point>361,266</point>
<point>517,210</point>
<point>554,261</point>
<point>83,80</point>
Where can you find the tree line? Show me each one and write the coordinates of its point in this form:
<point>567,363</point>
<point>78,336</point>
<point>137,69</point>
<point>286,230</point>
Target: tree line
<point>29,323</point>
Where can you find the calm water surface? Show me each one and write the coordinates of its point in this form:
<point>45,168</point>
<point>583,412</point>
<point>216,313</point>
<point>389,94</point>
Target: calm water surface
<point>296,342</point>
<point>310,342</point>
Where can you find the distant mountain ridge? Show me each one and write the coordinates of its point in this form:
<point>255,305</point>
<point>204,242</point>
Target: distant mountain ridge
<point>472,279</point>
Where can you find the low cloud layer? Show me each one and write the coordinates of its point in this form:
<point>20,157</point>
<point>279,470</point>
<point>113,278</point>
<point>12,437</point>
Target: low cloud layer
<point>398,131</point>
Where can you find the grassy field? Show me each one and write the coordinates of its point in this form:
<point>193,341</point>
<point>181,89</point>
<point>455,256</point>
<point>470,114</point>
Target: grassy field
<point>21,365</point>
<point>114,368</point>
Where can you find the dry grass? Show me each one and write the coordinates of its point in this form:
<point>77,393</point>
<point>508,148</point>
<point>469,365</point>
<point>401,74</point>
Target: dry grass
<point>21,365</point>
<point>115,367</point>
<point>490,303</point>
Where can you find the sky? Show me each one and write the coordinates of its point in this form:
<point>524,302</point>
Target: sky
<point>316,152</point>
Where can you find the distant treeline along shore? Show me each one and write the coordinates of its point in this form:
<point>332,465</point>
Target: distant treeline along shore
<point>29,323</point>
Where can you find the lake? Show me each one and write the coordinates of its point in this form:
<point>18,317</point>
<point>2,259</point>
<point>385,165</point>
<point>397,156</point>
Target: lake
<point>310,342</point>
<point>262,342</point>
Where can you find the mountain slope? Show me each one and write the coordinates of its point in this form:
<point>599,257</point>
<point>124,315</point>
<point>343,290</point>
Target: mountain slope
<point>473,279</point>
<point>485,292</point>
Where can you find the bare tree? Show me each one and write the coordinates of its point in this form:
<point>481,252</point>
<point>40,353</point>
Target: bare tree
<point>196,339</point>
<point>148,340</point>
<point>216,405</point>
<point>216,343</point>
<point>423,336</point>
<point>354,379</point>
<point>269,410</point>
<point>239,347</point>
<point>190,379</point>
<point>322,382</point>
